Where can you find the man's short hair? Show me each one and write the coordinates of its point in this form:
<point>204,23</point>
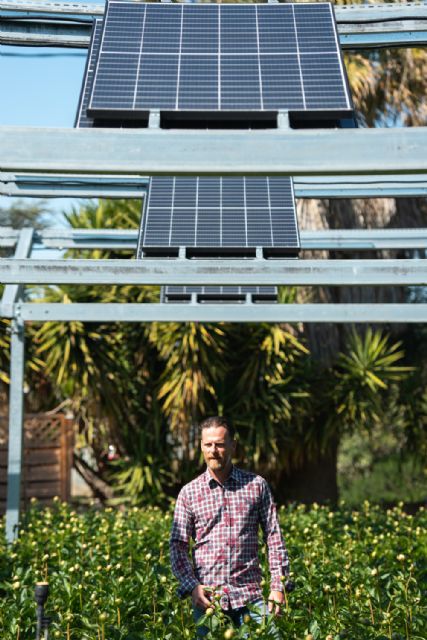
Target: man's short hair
<point>217,421</point>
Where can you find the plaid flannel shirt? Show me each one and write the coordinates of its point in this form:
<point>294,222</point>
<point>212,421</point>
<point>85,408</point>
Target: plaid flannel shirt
<point>223,521</point>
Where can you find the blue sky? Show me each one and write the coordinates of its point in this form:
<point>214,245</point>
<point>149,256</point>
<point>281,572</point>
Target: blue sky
<point>40,88</point>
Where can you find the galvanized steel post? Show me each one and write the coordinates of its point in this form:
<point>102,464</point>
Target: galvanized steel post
<point>16,422</point>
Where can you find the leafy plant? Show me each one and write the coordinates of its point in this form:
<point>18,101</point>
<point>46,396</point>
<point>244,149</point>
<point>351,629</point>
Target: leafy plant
<point>359,574</point>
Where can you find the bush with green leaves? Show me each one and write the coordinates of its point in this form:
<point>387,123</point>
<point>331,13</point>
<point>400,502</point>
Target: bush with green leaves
<point>359,575</point>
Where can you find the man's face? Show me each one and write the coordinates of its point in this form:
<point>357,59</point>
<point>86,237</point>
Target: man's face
<point>217,447</point>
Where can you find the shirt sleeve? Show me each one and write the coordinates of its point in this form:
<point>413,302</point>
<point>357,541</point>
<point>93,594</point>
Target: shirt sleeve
<point>182,529</point>
<point>278,559</point>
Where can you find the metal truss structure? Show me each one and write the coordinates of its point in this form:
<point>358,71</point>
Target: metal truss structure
<point>112,163</point>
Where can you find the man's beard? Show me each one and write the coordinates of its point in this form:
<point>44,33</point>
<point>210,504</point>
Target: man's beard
<point>217,464</point>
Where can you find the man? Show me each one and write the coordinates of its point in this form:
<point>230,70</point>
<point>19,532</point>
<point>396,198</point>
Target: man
<point>222,510</point>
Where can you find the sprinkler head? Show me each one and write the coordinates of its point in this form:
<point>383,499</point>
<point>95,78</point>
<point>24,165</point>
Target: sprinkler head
<point>41,592</point>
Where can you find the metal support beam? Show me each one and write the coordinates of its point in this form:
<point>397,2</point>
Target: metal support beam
<point>316,152</point>
<point>345,240</point>
<point>359,26</point>
<point>345,14</point>
<point>216,272</point>
<point>62,8</point>
<point>16,433</point>
<point>126,239</point>
<point>13,292</point>
<point>40,32</point>
<point>364,239</point>
<point>147,312</point>
<point>78,185</point>
<point>98,186</point>
<point>378,186</point>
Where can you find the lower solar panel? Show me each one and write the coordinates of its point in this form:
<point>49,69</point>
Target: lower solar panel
<point>212,294</point>
<point>219,216</point>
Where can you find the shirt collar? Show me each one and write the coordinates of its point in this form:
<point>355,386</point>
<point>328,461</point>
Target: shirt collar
<point>210,480</point>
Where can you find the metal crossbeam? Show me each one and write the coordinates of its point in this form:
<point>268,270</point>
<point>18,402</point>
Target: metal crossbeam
<point>149,312</point>
<point>215,272</point>
<point>126,239</point>
<point>133,186</point>
<point>358,26</point>
<point>316,152</point>
<point>87,186</point>
<point>364,239</point>
<point>345,14</point>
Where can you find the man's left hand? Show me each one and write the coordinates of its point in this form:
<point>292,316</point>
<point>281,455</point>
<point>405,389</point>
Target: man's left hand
<point>275,600</point>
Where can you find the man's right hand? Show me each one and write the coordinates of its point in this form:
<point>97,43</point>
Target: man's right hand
<point>199,598</point>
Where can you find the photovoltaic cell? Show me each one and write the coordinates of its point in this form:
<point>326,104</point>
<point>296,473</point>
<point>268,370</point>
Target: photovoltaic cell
<point>216,216</point>
<point>218,57</point>
<point>212,294</point>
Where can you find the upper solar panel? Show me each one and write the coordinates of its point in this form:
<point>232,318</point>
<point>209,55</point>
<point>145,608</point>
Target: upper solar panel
<point>218,58</point>
<point>219,216</point>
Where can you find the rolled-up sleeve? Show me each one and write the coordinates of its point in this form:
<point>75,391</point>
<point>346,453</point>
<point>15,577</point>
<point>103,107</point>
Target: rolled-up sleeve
<point>278,558</point>
<point>182,531</point>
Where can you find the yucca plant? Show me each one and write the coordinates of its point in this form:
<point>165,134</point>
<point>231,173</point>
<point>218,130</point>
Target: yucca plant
<point>266,390</point>
<point>193,368</point>
<point>370,365</point>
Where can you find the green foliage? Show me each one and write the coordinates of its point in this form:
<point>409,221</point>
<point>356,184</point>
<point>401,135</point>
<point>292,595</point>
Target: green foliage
<point>192,356</point>
<point>367,369</point>
<point>4,350</point>
<point>266,390</point>
<point>106,214</point>
<point>140,480</point>
<point>386,480</point>
<point>358,574</point>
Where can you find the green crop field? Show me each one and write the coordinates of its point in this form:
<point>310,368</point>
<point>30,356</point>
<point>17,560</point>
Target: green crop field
<point>360,575</point>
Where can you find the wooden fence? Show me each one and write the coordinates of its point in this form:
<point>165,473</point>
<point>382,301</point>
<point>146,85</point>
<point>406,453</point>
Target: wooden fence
<point>47,458</point>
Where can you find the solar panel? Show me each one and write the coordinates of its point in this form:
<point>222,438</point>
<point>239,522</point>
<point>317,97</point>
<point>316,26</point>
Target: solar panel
<point>211,294</point>
<point>218,58</point>
<point>219,216</point>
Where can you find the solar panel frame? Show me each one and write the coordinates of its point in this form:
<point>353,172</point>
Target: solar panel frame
<point>82,120</point>
<point>223,216</point>
<point>218,293</point>
<point>237,67</point>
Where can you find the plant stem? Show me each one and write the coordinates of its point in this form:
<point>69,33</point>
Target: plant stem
<point>371,610</point>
